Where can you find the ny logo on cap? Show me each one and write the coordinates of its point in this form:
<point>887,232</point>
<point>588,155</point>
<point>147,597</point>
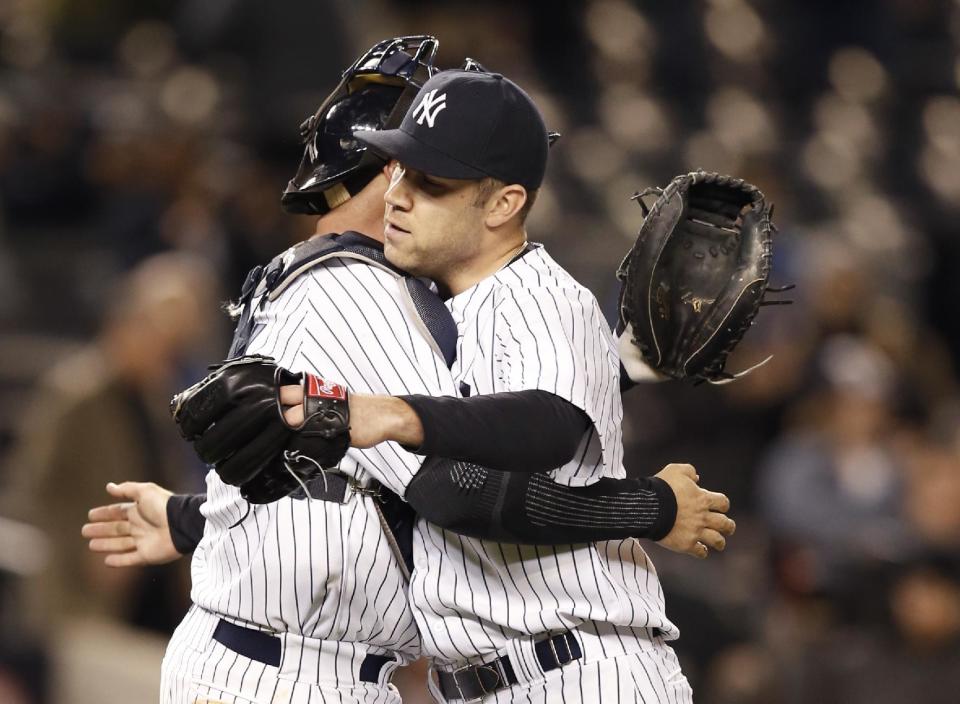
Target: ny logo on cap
<point>430,107</point>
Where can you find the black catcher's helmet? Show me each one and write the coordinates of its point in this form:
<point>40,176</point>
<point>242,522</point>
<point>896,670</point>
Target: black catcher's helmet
<point>373,94</point>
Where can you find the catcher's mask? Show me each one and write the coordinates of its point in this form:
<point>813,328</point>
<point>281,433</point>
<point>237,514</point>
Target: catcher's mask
<point>373,94</point>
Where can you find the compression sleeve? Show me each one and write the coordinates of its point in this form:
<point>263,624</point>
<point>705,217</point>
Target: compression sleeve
<point>185,521</point>
<point>517,431</point>
<point>534,510</point>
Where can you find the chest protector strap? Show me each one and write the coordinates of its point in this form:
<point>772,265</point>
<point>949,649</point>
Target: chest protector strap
<point>427,312</point>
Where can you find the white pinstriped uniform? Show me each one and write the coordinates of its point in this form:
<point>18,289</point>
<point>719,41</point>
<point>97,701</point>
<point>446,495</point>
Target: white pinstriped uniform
<point>320,572</point>
<point>532,326</point>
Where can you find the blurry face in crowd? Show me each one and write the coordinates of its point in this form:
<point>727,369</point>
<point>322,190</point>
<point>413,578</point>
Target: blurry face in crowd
<point>926,607</point>
<point>433,226</point>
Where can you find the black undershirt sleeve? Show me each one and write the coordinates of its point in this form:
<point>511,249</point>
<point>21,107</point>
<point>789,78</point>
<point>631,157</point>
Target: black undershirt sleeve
<point>516,431</point>
<point>525,508</point>
<point>185,521</point>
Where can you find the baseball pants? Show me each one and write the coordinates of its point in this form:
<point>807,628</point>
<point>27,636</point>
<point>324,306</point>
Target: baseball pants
<point>621,665</point>
<point>200,669</point>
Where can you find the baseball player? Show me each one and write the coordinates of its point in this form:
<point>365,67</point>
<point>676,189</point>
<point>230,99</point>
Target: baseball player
<point>535,367</point>
<point>505,621</point>
<point>228,606</point>
<point>303,599</point>
<point>330,642</point>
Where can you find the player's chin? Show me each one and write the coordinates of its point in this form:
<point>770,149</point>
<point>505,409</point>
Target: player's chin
<point>400,254</point>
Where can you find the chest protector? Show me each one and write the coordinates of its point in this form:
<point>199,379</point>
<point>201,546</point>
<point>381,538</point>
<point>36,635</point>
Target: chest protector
<point>426,311</point>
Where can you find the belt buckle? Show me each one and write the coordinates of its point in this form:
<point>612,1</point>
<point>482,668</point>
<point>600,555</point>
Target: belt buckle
<point>456,682</point>
<point>373,492</point>
<point>551,644</point>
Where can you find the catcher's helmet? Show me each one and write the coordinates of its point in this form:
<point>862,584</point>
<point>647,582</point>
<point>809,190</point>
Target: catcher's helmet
<point>373,94</point>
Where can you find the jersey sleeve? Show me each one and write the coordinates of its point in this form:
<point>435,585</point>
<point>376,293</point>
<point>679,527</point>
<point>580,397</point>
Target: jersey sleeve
<point>556,339</point>
<point>349,322</point>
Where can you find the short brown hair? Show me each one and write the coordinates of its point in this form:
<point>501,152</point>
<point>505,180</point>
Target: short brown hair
<point>490,185</point>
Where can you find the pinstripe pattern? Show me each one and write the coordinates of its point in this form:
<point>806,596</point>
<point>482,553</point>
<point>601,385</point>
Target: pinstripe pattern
<point>197,668</point>
<point>531,326</point>
<point>319,569</point>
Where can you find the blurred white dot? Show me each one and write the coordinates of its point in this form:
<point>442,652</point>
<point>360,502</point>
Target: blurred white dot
<point>148,48</point>
<point>856,74</point>
<point>873,225</point>
<point>553,115</point>
<point>636,120</point>
<point>848,120</point>
<point>829,161</point>
<point>735,29</point>
<point>190,95</point>
<point>593,155</point>
<point>941,120</point>
<point>623,210</point>
<point>940,167</point>
<point>704,150</point>
<point>618,30</point>
<point>740,121</point>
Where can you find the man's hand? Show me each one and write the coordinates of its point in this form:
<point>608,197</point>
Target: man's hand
<point>135,532</point>
<point>701,523</point>
<point>373,419</point>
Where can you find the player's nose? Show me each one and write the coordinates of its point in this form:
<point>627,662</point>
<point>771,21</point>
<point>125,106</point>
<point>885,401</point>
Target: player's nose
<point>398,195</point>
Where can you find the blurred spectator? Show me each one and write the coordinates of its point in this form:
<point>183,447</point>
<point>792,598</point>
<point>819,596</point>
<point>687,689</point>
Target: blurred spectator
<point>98,416</point>
<point>832,489</point>
<point>912,656</point>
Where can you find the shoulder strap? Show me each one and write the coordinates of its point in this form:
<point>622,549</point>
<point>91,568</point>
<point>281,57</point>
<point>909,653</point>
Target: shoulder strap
<point>427,311</point>
<point>310,253</point>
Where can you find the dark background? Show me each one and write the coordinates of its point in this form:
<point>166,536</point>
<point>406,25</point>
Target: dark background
<point>131,130</point>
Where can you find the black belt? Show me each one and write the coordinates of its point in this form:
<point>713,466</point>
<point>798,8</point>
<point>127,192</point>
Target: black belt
<point>473,682</point>
<point>335,487</point>
<point>266,648</point>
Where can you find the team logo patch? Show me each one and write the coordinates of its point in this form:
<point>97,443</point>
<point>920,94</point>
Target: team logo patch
<point>429,107</point>
<point>324,389</point>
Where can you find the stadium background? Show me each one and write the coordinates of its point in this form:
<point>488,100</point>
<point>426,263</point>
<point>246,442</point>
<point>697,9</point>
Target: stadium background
<point>143,147</point>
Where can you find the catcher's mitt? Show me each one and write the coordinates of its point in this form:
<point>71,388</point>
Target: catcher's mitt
<point>697,274</point>
<point>235,421</point>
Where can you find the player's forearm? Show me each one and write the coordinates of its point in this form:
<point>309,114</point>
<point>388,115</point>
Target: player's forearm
<point>531,509</point>
<point>185,521</point>
<point>520,431</point>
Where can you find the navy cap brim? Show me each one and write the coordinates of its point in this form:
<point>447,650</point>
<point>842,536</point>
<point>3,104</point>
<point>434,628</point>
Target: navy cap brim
<point>412,153</point>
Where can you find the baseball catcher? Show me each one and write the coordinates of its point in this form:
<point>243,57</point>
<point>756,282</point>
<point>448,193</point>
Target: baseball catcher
<point>696,277</point>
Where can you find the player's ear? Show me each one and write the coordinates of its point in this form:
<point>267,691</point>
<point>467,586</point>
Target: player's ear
<point>504,204</point>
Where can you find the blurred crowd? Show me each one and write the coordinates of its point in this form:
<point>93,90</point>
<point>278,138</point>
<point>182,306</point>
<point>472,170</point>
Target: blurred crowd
<point>143,148</point>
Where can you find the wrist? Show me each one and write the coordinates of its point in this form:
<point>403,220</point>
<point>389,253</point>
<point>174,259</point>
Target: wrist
<point>376,419</point>
<point>667,509</point>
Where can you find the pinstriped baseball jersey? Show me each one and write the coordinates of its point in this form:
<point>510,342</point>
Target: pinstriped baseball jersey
<point>318,568</point>
<point>532,326</point>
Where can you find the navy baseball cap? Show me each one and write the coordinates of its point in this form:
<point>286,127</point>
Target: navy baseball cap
<point>469,125</point>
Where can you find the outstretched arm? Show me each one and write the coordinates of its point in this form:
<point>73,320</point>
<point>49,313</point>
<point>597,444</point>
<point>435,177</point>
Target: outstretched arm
<point>531,509</point>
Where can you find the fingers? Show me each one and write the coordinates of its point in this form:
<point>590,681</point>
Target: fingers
<point>294,415</point>
<point>687,470</point>
<point>721,523</point>
<point>712,539</point>
<point>699,550</point>
<point>113,544</point>
<point>113,512</point>
<point>124,559</point>
<point>717,502</point>
<point>111,529</point>
<point>291,395</point>
<point>126,490</point>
